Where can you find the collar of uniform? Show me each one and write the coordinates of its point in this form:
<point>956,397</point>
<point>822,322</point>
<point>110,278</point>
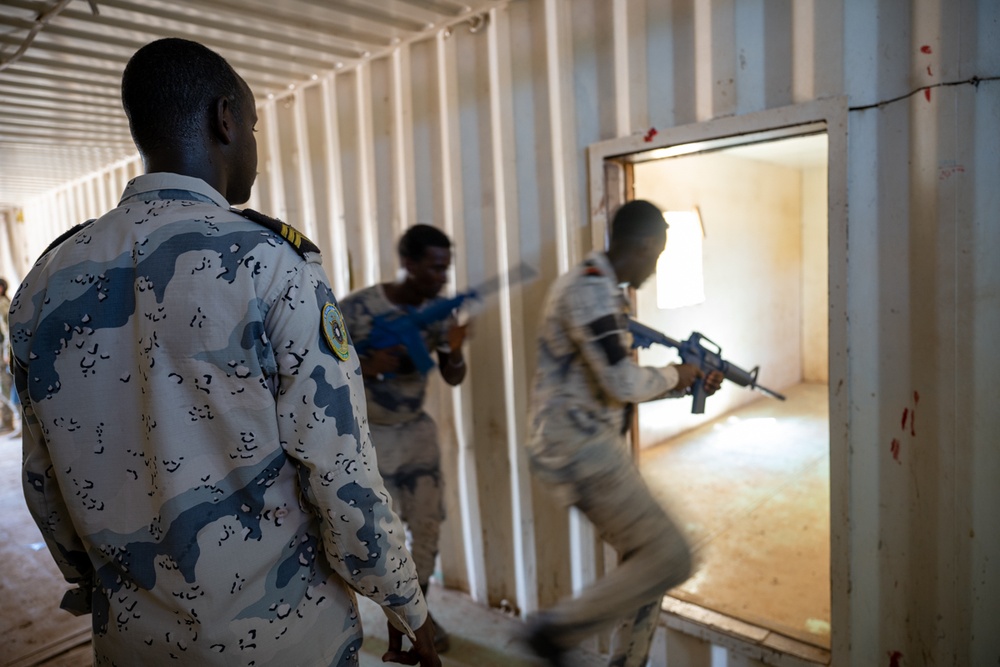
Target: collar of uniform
<point>600,260</point>
<point>152,184</point>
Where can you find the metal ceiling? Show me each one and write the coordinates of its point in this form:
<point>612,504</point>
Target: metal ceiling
<point>61,63</point>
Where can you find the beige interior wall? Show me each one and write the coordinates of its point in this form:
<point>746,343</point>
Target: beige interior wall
<point>815,271</point>
<point>753,254</point>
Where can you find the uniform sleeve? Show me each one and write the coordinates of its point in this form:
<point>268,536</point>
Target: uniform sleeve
<point>595,323</point>
<point>322,421</point>
<point>359,322</point>
<point>48,507</point>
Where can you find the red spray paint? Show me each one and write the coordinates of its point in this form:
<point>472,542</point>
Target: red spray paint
<point>925,49</point>
<point>895,659</point>
<point>894,447</point>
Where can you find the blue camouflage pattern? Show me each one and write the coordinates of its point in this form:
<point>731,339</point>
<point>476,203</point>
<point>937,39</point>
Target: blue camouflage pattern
<point>196,456</point>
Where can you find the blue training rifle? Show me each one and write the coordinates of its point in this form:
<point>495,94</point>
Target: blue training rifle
<point>406,327</point>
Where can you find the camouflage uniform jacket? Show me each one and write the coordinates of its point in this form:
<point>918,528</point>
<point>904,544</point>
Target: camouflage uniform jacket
<point>586,376</point>
<point>400,398</point>
<point>196,452</point>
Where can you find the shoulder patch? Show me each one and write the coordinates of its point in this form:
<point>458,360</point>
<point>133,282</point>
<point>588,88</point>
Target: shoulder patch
<point>335,332</point>
<point>294,237</point>
<point>66,235</point>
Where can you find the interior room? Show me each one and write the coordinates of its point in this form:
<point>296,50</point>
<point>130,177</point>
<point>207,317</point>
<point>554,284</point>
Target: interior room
<point>746,266</point>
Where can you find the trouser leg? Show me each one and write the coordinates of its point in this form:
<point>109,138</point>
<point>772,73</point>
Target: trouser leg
<point>6,408</point>
<point>409,461</point>
<point>655,556</point>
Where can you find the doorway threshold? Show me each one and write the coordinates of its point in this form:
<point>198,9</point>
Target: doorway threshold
<point>737,636</point>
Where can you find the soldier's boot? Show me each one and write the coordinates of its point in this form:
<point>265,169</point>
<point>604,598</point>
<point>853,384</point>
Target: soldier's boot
<point>538,638</point>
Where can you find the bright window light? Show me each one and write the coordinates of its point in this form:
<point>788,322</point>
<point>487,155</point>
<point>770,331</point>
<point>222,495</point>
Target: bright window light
<point>680,279</point>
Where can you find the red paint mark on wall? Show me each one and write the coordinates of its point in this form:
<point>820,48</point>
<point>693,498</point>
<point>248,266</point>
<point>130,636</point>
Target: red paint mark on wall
<point>926,49</point>
<point>649,135</point>
<point>927,94</point>
<point>895,659</point>
<point>916,397</point>
<point>906,414</point>
<point>913,423</point>
<point>929,72</point>
<point>894,448</point>
<point>949,169</point>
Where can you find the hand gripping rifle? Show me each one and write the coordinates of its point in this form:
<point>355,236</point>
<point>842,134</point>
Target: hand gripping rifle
<point>707,358</point>
<point>406,327</point>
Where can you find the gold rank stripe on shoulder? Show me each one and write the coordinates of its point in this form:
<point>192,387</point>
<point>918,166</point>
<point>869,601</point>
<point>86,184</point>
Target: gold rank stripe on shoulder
<point>291,235</point>
<point>294,237</point>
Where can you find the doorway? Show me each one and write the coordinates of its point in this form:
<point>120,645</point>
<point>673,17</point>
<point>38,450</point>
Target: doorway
<point>750,478</point>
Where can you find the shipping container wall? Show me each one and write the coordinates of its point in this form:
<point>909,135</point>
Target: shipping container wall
<point>483,131</point>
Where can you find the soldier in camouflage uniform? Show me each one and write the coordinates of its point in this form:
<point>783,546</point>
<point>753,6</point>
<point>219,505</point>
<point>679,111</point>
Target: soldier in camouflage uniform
<point>584,389</point>
<point>405,436</point>
<point>196,446</point>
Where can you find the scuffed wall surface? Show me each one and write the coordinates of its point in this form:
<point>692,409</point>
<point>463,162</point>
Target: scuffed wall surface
<point>484,133</point>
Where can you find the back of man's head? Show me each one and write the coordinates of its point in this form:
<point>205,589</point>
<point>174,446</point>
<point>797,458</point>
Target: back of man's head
<point>168,88</point>
<point>415,241</point>
<point>635,222</point>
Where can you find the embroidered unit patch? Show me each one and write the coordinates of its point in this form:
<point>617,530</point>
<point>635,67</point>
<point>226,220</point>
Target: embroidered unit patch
<point>335,332</point>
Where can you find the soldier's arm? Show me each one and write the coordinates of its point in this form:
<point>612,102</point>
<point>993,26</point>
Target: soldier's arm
<point>48,507</point>
<point>451,361</point>
<point>322,419</point>
<point>596,325</point>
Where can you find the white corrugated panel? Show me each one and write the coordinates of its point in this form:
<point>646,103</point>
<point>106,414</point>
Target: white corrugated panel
<point>483,129</point>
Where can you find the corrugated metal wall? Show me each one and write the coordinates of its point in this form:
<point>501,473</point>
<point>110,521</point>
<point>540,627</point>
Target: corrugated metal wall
<point>483,130</point>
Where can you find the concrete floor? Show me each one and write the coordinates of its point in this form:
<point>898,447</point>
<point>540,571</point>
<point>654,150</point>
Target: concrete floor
<point>752,490</point>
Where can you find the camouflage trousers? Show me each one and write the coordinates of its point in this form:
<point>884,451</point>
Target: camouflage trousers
<point>409,459</point>
<point>599,477</point>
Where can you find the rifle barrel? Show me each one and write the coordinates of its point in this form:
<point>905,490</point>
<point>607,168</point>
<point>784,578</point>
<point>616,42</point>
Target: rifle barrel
<point>770,392</point>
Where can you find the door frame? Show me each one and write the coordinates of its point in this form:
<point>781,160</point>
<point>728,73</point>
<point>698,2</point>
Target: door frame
<point>610,178</point>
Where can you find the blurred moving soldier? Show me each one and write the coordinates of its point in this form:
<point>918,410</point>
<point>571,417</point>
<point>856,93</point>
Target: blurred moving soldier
<point>583,393</point>
<point>195,448</point>
<point>405,436</point>
<point>8,408</point>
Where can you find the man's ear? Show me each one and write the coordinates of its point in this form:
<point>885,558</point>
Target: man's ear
<point>222,122</point>
<point>409,265</point>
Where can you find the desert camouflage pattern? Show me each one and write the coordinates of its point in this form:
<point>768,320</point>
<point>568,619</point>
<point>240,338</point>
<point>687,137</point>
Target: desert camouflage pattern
<point>409,453</point>
<point>400,398</point>
<point>585,381</point>
<point>196,456</point>
<point>409,458</point>
<point>586,377</point>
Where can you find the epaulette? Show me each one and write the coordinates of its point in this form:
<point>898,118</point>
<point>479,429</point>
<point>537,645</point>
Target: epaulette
<point>294,237</point>
<point>66,235</point>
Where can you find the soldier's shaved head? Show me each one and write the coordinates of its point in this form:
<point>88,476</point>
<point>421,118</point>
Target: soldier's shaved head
<point>636,221</point>
<point>169,87</point>
<point>638,234</point>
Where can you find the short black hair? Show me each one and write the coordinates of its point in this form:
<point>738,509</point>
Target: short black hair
<point>635,221</point>
<point>170,85</point>
<point>415,241</point>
